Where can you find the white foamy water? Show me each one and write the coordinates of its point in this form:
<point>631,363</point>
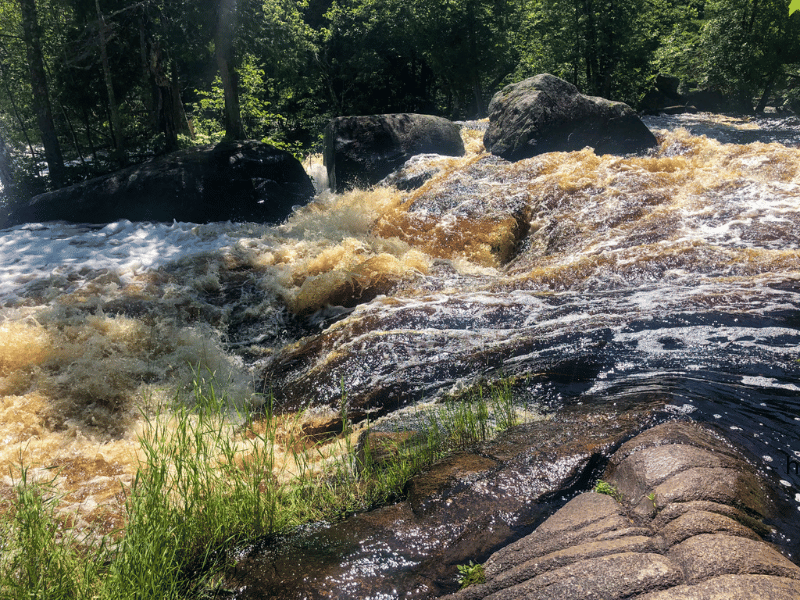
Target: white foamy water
<point>36,252</point>
<point>541,257</point>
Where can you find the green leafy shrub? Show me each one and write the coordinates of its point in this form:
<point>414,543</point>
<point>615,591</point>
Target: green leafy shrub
<point>470,574</point>
<point>603,487</point>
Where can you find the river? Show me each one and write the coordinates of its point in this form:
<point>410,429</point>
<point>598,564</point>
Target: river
<point>585,277</point>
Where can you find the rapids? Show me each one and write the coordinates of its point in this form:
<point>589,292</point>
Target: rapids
<point>585,277</point>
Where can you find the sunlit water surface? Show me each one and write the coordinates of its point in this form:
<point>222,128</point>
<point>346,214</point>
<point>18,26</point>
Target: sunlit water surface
<point>590,276</point>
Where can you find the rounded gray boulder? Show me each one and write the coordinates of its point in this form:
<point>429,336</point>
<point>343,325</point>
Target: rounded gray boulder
<point>547,114</point>
<point>233,181</point>
<point>361,151</point>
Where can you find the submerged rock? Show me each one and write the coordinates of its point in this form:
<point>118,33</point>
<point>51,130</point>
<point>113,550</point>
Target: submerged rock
<point>391,352</point>
<point>233,181</point>
<point>547,114</point>
<point>361,151</point>
<point>415,172</point>
<point>463,213</point>
<point>684,523</point>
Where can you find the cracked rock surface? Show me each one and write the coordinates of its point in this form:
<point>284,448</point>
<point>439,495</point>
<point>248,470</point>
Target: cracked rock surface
<point>687,523</point>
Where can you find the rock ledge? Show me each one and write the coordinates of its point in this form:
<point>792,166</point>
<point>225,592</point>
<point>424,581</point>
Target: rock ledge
<point>686,524</point>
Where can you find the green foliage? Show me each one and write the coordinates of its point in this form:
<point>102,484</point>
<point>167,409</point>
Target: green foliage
<point>38,557</point>
<point>603,487</point>
<point>258,121</point>
<point>678,52</point>
<point>300,62</point>
<point>470,574</point>
<point>745,47</point>
<point>421,56</point>
<point>605,48</point>
<point>203,490</point>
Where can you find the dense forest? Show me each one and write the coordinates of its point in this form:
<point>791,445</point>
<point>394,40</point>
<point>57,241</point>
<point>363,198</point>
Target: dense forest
<point>87,86</point>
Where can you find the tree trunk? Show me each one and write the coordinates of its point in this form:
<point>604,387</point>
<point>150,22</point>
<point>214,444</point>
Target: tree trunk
<point>116,122</point>
<point>74,138</point>
<point>6,170</point>
<point>88,125</point>
<point>179,114</point>
<point>762,104</point>
<point>147,78</point>
<point>21,123</point>
<point>41,97</point>
<point>591,51</point>
<point>223,48</point>
<point>170,115</point>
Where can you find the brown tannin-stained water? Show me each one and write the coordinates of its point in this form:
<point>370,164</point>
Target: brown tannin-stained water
<point>586,276</point>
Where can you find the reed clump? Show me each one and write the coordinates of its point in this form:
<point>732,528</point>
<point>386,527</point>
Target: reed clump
<point>210,482</point>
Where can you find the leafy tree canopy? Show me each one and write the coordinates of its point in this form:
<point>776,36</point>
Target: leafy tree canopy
<point>151,68</point>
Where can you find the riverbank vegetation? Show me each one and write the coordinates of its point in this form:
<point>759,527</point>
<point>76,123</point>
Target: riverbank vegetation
<point>211,481</point>
<point>86,87</point>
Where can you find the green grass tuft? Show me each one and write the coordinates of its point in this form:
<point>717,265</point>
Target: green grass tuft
<point>210,484</point>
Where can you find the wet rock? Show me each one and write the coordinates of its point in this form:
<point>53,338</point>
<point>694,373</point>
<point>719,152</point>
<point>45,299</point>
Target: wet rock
<point>724,486</point>
<point>415,172</point>
<point>654,101</point>
<point>461,214</point>
<point>547,114</point>
<point>664,97</point>
<point>597,546</point>
<point>361,151</point>
<point>651,466</point>
<point>616,576</point>
<point>695,522</point>
<point>233,181</point>
<point>433,490</point>
<point>464,508</point>
<point>668,85</point>
<point>732,587</point>
<point>677,109</point>
<point>581,521</point>
<point>669,519</point>
<point>525,571</point>
<point>712,101</point>
<point>393,351</point>
<point>711,554</point>
<point>680,463</point>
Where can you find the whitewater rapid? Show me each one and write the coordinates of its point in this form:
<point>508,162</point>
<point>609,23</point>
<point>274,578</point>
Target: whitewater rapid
<point>678,270</point>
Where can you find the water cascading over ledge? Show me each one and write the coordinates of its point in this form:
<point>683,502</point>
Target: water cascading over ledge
<point>672,277</point>
<point>587,277</point>
<point>573,258</point>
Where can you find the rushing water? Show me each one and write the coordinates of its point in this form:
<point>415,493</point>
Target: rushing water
<point>588,277</point>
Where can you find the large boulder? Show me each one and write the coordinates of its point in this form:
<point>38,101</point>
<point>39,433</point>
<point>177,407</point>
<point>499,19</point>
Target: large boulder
<point>684,519</point>
<point>361,151</point>
<point>233,181</point>
<point>547,114</point>
<point>668,85</point>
